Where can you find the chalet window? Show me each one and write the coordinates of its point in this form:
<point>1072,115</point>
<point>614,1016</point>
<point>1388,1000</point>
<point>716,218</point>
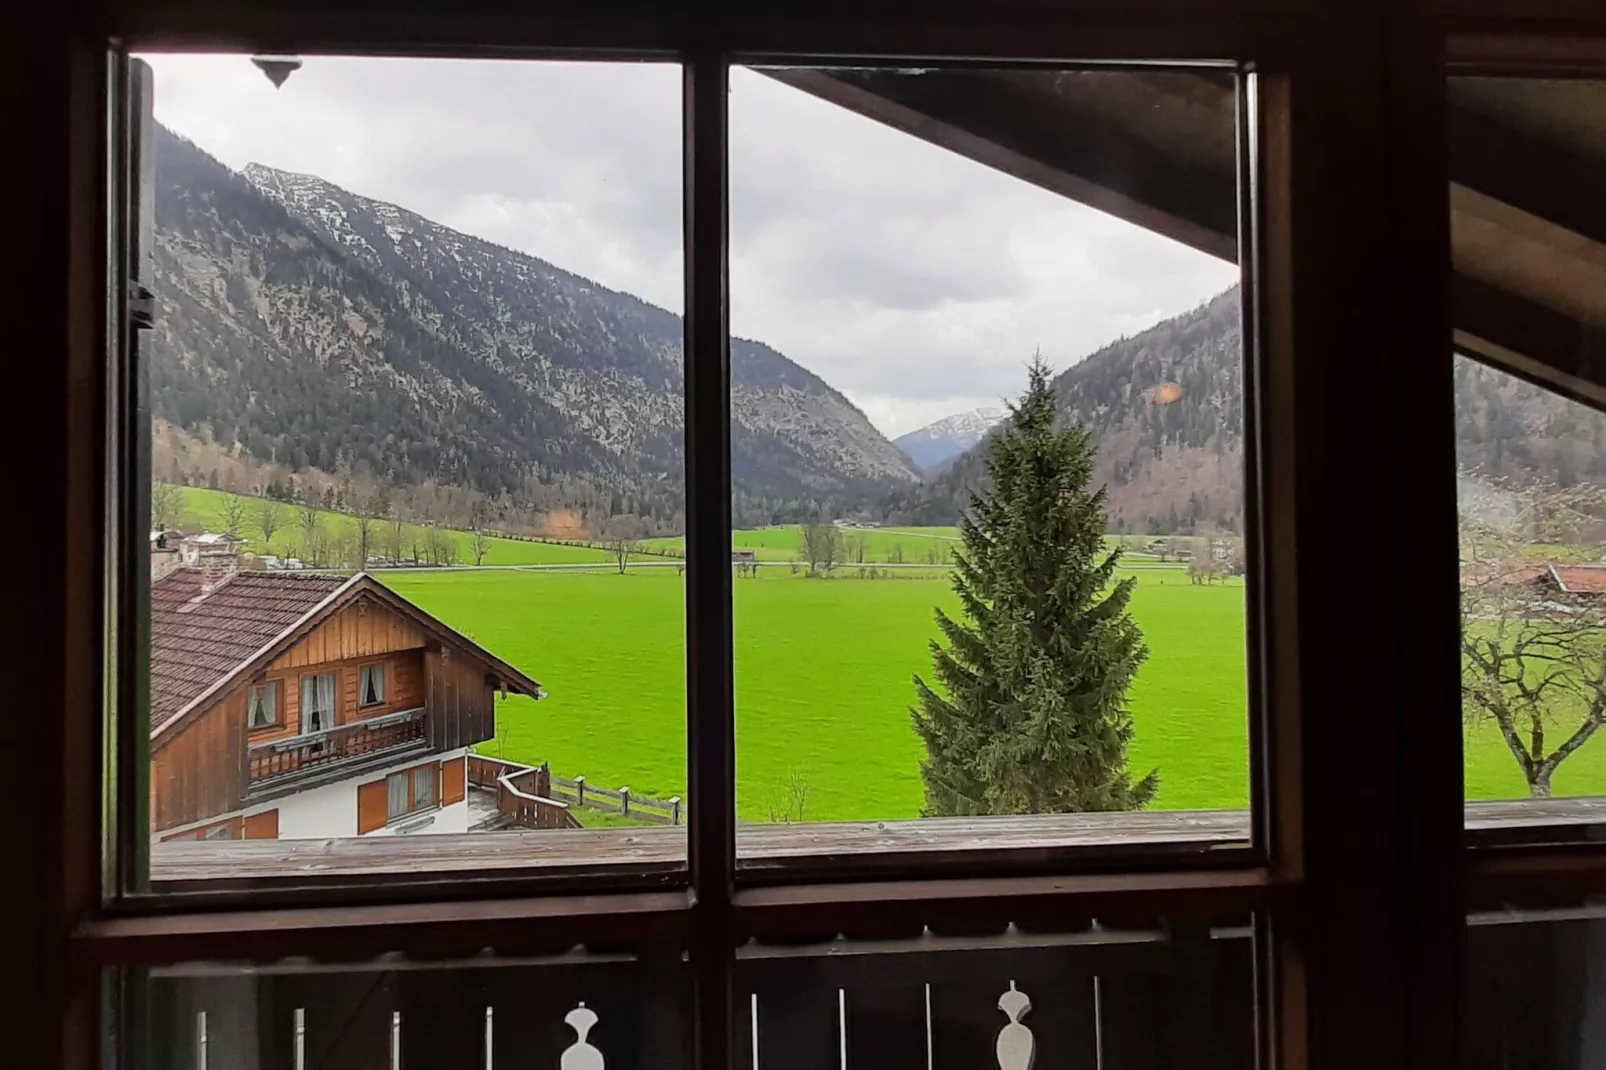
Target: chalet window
<point>224,831</point>
<point>262,703</point>
<point>317,703</point>
<point>371,685</point>
<point>410,791</point>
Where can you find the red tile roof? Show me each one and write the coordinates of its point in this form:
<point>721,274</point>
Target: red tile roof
<point>198,638</point>
<point>1581,579</point>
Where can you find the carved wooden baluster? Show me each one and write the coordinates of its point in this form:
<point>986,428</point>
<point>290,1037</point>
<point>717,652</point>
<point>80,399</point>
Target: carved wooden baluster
<point>1016,1046</point>
<point>581,1055</point>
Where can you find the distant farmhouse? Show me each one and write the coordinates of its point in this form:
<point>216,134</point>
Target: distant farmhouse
<point>1583,581</point>
<point>291,706</point>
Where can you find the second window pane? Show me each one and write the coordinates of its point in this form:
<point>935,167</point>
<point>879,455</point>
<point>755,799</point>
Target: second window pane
<point>988,460</point>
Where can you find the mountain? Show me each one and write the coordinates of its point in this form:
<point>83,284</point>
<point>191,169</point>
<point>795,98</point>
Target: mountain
<point>307,326</point>
<point>1167,409</point>
<point>934,447</point>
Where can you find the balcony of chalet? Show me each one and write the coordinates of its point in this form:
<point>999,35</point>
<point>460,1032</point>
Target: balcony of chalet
<point>307,759</point>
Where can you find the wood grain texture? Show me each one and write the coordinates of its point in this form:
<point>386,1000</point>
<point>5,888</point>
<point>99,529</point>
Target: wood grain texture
<point>372,809</point>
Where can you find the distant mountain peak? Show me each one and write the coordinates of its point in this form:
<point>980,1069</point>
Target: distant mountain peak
<point>936,445</point>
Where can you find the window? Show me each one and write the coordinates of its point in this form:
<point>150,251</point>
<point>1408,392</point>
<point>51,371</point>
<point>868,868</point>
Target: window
<point>913,305</point>
<point>371,685</point>
<point>262,704</point>
<point>317,703</point>
<point>1530,452</point>
<point>410,791</point>
<point>452,515</point>
<point>1287,949</point>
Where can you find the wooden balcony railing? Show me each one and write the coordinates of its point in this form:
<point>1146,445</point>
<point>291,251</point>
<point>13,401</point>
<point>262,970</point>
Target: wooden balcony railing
<point>292,755</point>
<point>523,793</point>
<point>1085,998</point>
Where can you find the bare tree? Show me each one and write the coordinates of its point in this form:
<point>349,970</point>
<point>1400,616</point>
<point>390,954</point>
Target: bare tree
<point>167,506</point>
<point>308,515</point>
<point>269,516</point>
<point>394,542</point>
<point>820,545</point>
<point>789,799</point>
<point>363,520</point>
<point>1533,653</point>
<point>480,543</point>
<point>623,534</point>
<point>231,514</point>
<point>895,555</point>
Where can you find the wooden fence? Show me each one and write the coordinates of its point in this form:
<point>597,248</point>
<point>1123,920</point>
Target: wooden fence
<point>622,801</point>
<point>523,793</point>
<point>538,782</point>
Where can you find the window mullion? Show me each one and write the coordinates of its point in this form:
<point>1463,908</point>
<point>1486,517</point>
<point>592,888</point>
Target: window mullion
<point>710,687</point>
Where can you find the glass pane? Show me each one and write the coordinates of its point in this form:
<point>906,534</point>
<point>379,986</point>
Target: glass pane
<point>1064,654</point>
<point>1095,997</point>
<point>1535,991</point>
<point>396,793</point>
<point>415,397</point>
<point>584,1010</point>
<point>1530,387</point>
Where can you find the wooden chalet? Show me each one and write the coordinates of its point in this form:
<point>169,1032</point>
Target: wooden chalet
<point>294,706</point>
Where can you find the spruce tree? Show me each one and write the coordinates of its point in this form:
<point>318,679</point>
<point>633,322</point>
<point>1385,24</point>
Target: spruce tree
<point>1031,713</point>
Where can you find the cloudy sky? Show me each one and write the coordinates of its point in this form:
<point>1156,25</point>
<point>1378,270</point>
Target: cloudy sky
<point>913,280</point>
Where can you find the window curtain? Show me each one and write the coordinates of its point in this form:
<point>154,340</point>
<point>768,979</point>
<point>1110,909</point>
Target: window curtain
<point>397,787</point>
<point>317,703</point>
<point>373,685</point>
<point>423,787</point>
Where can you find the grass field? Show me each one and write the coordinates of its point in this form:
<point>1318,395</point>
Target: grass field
<point>823,673</point>
<point>781,543</point>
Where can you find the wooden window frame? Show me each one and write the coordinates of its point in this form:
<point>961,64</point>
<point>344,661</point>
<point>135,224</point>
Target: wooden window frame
<point>301,706</point>
<point>413,809</point>
<point>1360,897</point>
<point>383,699</point>
<point>277,718</point>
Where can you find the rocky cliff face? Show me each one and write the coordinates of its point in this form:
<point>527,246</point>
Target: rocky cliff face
<point>315,327</point>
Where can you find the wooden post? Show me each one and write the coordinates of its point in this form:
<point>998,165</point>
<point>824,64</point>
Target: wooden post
<point>580,790</point>
<point>674,809</point>
<point>624,799</point>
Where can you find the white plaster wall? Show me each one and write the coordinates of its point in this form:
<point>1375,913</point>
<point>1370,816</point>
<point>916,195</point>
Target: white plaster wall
<point>331,810</point>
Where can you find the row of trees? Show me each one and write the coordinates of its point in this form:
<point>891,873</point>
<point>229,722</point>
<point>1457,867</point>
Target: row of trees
<point>324,540</point>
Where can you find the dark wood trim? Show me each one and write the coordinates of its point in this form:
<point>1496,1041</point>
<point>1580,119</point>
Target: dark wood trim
<point>1540,177</point>
<point>511,926</point>
<point>1427,682</point>
<point>893,907</point>
<point>1536,877</point>
<point>710,662</point>
<point>1183,30</point>
<point>1548,348</point>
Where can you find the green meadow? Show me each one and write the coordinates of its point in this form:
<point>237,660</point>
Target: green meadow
<point>881,545</point>
<point>823,669</point>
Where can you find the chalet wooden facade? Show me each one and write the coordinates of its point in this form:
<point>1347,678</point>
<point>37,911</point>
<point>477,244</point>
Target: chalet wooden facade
<point>296,706</point>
